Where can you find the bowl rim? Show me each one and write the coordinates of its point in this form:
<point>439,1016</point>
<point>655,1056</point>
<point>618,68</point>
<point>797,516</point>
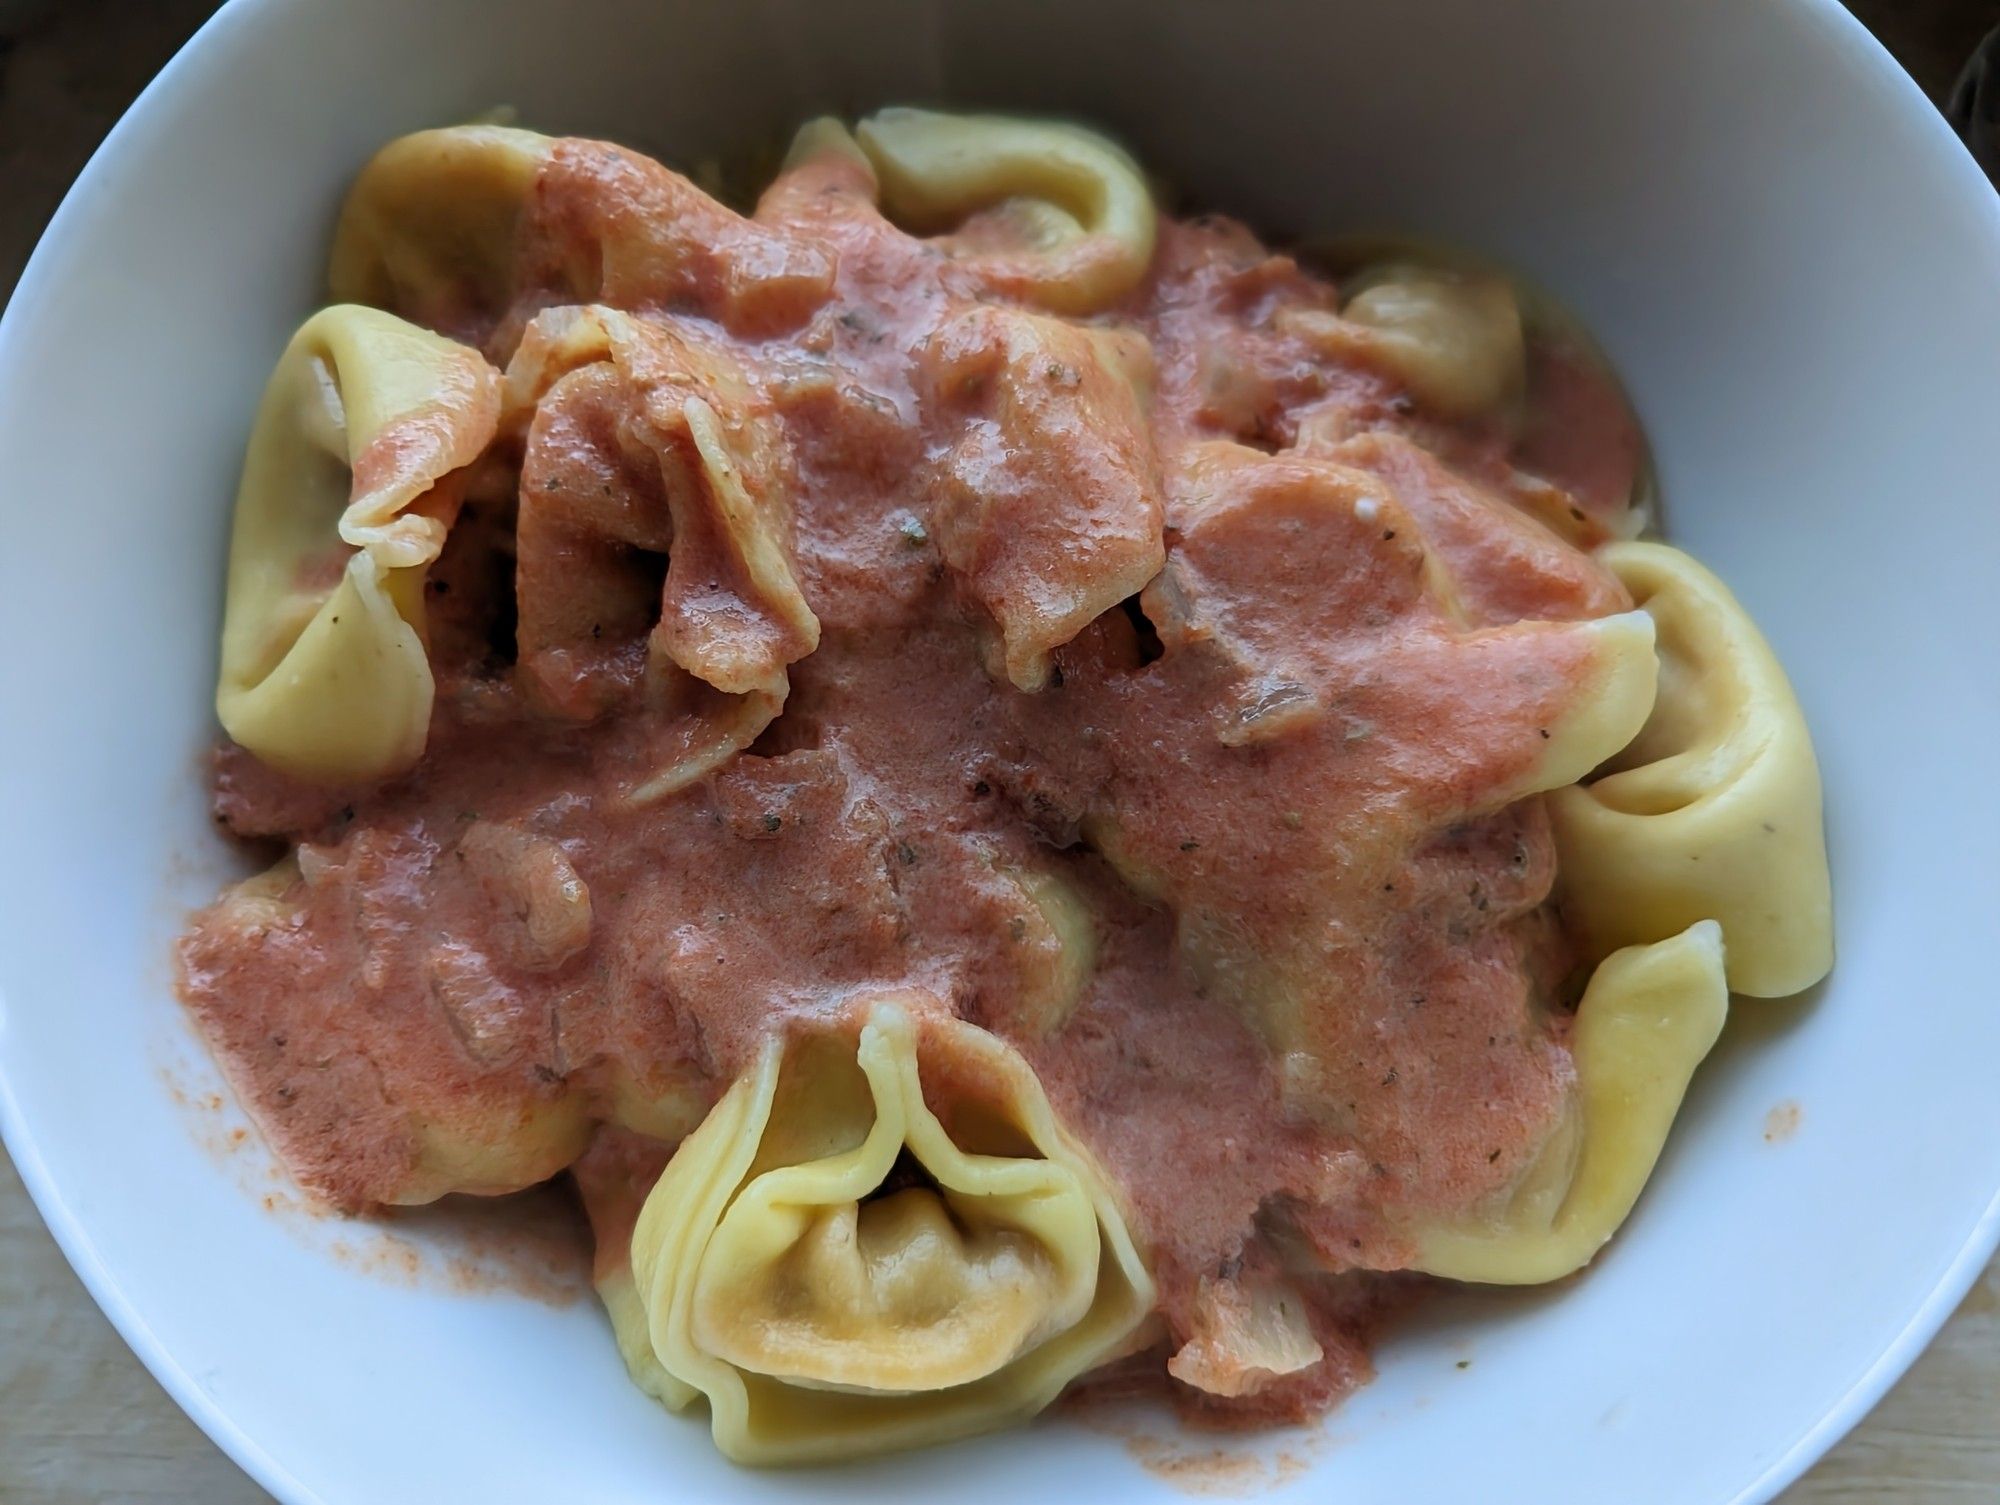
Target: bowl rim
<point>207,48</point>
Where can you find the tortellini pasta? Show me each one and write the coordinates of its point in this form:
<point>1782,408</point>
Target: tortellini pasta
<point>538,896</point>
<point>1616,702</point>
<point>1453,338</point>
<point>1029,935</point>
<point>1047,507</point>
<point>694,471</point>
<point>1649,1016</point>
<point>347,492</point>
<point>1272,556</point>
<point>1713,811</point>
<point>430,227</point>
<point>1065,219</point>
<point>443,1095</point>
<point>1493,562</point>
<point>473,229</point>
<point>880,1237</point>
<point>1055,943</point>
<point>1284,523</point>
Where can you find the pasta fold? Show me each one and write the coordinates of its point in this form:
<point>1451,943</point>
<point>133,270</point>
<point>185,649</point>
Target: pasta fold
<point>1028,934</point>
<point>431,226</point>
<point>1054,942</point>
<point>1047,507</point>
<point>879,1237</point>
<point>448,1091</point>
<point>474,229</point>
<point>644,440</point>
<point>1045,212</point>
<point>1453,338</point>
<point>1648,1017</point>
<point>1713,811</point>
<point>347,491</point>
<point>1496,563</point>
<point>1300,615</point>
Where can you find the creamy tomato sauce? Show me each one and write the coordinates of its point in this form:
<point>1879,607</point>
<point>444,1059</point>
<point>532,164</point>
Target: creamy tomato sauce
<point>1173,672</point>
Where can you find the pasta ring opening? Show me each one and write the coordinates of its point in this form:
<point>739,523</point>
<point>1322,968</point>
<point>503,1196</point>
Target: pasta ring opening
<point>1076,206</point>
<point>1713,811</point>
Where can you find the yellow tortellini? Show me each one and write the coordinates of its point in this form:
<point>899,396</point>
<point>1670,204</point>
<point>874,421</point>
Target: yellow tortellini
<point>429,227</point>
<point>1068,222</point>
<point>1649,1016</point>
<point>1056,942</point>
<point>344,502</point>
<point>1713,811</point>
<point>1619,698</point>
<point>842,1268</point>
<point>1453,337</point>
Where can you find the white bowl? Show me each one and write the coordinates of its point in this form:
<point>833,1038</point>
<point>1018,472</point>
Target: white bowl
<point>1785,252</point>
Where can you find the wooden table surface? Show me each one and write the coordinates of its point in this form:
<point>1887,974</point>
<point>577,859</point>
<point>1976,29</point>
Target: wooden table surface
<point>81,1423</point>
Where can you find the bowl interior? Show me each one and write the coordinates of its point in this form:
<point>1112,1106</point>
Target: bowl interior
<point>1788,258</point>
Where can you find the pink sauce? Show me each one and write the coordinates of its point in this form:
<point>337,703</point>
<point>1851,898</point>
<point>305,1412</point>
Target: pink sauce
<point>1327,992</point>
